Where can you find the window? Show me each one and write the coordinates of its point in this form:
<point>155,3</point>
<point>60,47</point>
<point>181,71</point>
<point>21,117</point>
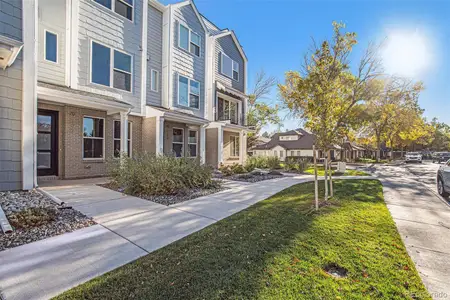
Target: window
<point>281,154</point>
<point>155,81</point>
<point>292,153</point>
<point>102,67</point>
<point>275,153</point>
<point>177,141</point>
<point>229,67</point>
<point>234,146</point>
<point>192,143</point>
<point>117,138</point>
<point>93,138</point>
<point>188,92</point>
<point>51,46</point>
<point>189,40</point>
<point>298,153</point>
<point>122,71</point>
<point>195,44</point>
<point>227,110</point>
<point>122,7</point>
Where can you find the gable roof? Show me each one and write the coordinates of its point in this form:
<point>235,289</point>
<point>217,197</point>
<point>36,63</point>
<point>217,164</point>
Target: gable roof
<point>199,16</point>
<point>217,33</point>
<point>305,140</point>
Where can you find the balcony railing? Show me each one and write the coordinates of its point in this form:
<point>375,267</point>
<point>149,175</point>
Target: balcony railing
<point>233,119</point>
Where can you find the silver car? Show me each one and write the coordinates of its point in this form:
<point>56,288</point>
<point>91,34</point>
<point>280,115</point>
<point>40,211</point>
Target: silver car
<point>443,179</point>
<point>413,157</point>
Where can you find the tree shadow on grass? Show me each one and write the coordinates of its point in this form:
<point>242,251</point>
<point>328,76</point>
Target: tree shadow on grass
<point>272,249</point>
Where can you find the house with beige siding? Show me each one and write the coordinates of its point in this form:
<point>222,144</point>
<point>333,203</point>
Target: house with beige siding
<point>92,80</point>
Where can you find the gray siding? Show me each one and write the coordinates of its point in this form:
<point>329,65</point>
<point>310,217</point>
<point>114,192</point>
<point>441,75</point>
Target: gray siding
<point>52,17</point>
<point>103,25</point>
<point>154,42</point>
<point>226,45</point>
<point>185,63</point>
<point>11,101</point>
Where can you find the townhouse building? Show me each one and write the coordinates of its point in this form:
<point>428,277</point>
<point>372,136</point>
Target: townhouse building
<point>84,81</point>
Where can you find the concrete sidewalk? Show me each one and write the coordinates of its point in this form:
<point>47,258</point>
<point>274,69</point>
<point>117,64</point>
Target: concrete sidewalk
<point>128,228</point>
<point>423,220</point>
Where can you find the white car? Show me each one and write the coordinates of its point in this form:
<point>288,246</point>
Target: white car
<point>413,157</point>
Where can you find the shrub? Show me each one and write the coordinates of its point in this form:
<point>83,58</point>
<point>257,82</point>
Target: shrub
<point>32,217</point>
<point>296,164</point>
<point>238,169</point>
<point>273,162</point>
<point>149,174</point>
<point>226,170</point>
<point>262,162</point>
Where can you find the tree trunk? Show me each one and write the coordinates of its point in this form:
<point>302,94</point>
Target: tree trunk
<point>316,183</point>
<point>331,178</point>
<point>326,175</point>
<point>378,149</point>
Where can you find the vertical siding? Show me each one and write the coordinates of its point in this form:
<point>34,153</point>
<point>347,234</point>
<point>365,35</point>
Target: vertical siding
<point>185,63</point>
<point>52,17</point>
<point>101,24</point>
<point>154,41</point>
<point>11,101</point>
<point>226,45</point>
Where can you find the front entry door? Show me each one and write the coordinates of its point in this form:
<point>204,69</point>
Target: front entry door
<point>47,143</point>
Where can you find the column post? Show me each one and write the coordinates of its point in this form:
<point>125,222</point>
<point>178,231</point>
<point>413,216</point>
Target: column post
<point>219,145</point>
<point>202,144</point>
<point>159,135</point>
<point>123,133</point>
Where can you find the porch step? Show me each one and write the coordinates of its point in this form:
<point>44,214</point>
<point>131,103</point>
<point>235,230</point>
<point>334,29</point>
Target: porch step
<point>47,178</point>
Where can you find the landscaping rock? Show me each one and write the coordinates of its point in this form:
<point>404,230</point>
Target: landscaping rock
<point>18,205</point>
<point>259,172</point>
<point>275,172</point>
<point>250,177</point>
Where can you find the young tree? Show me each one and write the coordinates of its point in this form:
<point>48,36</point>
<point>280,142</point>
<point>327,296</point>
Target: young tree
<point>325,93</point>
<point>259,113</point>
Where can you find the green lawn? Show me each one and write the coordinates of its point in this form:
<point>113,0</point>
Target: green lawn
<point>348,172</point>
<point>277,249</point>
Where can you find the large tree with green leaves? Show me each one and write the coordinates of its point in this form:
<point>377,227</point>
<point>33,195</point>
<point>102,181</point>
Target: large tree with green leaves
<point>259,113</point>
<point>325,93</point>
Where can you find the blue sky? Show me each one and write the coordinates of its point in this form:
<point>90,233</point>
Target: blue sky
<point>276,34</point>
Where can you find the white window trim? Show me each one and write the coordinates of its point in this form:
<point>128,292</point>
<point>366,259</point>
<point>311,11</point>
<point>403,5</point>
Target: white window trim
<point>130,125</point>
<point>153,71</point>
<point>113,9</point>
<point>189,39</point>
<point>111,67</point>
<point>232,67</point>
<point>45,46</point>
<point>196,143</point>
<point>179,143</point>
<point>189,92</point>
<point>93,138</point>
<point>233,155</point>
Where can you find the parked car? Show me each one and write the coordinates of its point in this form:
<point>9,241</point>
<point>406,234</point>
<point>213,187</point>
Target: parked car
<point>441,157</point>
<point>413,157</point>
<point>443,179</point>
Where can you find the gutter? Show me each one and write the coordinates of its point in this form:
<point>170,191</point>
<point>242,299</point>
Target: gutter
<point>4,224</point>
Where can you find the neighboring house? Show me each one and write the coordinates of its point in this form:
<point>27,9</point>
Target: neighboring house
<point>226,134</point>
<point>293,143</point>
<point>352,151</point>
<point>110,78</point>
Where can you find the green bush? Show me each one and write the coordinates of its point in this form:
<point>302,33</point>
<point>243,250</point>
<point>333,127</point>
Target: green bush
<point>262,162</point>
<point>226,170</point>
<point>296,164</point>
<point>149,174</point>
<point>273,162</point>
<point>238,169</point>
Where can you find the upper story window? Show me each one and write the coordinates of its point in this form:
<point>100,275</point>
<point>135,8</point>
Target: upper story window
<point>227,110</point>
<point>229,67</point>
<point>106,61</point>
<point>289,138</point>
<point>51,46</point>
<point>189,40</point>
<point>188,92</point>
<point>155,81</point>
<point>122,7</point>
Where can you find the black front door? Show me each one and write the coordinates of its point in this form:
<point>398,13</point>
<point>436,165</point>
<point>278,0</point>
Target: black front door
<point>47,142</point>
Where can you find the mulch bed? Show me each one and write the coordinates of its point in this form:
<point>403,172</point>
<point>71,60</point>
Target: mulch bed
<point>181,196</point>
<point>34,217</point>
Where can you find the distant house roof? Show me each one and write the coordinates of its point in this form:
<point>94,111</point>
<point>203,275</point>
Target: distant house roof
<point>304,141</point>
<point>353,146</point>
